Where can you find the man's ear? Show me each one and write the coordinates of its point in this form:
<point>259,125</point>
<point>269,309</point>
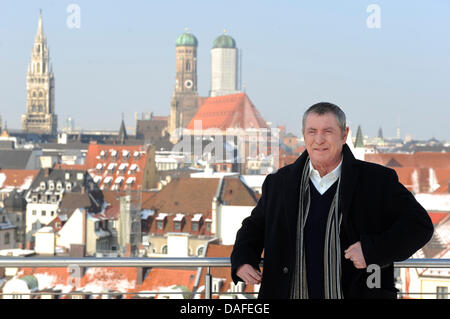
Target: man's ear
<point>346,133</point>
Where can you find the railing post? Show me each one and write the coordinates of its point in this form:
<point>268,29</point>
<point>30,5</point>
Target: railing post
<point>208,284</point>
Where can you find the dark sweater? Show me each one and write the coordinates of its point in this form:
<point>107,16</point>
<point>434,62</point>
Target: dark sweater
<point>314,238</point>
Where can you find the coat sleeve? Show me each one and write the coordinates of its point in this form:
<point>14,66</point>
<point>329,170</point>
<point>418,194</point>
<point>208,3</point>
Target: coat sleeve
<point>249,242</point>
<point>410,227</point>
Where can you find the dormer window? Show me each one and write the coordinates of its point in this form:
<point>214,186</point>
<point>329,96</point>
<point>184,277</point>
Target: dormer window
<point>133,168</point>
<point>178,222</point>
<point>99,167</point>
<point>42,186</point>
<point>51,185</point>
<point>123,168</point>
<point>111,167</point>
<point>208,225</point>
<point>136,154</point>
<point>114,154</point>
<point>68,187</point>
<point>196,222</point>
<point>103,154</point>
<point>58,186</point>
<point>125,154</point>
<point>161,221</point>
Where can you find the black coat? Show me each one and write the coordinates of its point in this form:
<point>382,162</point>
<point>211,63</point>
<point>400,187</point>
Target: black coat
<point>377,210</point>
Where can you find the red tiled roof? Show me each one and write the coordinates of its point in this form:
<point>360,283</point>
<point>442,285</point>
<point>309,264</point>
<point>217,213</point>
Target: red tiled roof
<point>228,111</point>
<point>437,217</point>
<point>184,195</point>
<point>115,173</point>
<point>17,178</point>
<point>159,279</point>
<point>419,160</point>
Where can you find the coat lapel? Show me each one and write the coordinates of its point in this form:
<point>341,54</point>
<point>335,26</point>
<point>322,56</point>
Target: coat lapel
<point>349,177</point>
<point>292,193</point>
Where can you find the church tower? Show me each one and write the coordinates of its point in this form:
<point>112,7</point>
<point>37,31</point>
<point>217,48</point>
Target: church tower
<point>184,104</point>
<point>40,117</point>
<point>224,66</point>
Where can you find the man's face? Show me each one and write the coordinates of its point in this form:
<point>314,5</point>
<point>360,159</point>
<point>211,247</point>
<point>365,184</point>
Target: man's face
<point>324,139</point>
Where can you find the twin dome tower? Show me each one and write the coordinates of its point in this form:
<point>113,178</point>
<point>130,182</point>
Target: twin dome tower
<point>225,76</point>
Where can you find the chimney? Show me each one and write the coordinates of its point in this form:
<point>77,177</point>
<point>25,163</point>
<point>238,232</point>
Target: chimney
<point>140,275</point>
<point>46,172</point>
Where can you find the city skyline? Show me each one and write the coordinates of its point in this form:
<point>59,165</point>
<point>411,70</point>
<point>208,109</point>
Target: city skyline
<point>121,59</point>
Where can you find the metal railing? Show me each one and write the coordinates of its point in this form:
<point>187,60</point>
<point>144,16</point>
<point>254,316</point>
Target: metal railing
<point>172,262</point>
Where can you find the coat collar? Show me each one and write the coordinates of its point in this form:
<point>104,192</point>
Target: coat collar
<point>349,175</point>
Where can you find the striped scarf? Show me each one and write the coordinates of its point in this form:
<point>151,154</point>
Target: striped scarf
<point>332,251</point>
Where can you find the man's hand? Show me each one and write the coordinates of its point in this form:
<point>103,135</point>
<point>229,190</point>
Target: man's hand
<point>249,274</point>
<point>355,254</point>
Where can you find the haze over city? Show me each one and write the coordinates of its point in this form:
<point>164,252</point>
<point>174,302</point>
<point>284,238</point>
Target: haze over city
<point>121,59</point>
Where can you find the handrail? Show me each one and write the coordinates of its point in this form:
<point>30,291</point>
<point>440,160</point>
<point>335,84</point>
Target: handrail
<point>170,262</point>
<point>24,262</point>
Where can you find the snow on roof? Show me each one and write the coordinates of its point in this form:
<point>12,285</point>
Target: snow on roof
<point>107,179</point>
<point>46,229</point>
<point>123,166</point>
<point>197,217</point>
<point>119,180</point>
<point>131,180</point>
<point>161,216</point>
<point>440,202</point>
<point>179,217</point>
<point>2,179</point>
<point>146,213</point>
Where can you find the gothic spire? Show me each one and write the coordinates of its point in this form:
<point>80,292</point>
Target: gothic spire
<point>40,31</point>
<point>359,138</point>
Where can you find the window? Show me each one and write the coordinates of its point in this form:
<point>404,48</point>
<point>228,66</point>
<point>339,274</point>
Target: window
<point>177,225</point>
<point>194,226</point>
<point>42,185</point>
<point>33,213</point>
<point>43,213</point>
<point>7,239</point>
<point>164,249</point>
<point>208,227</point>
<point>441,292</point>
<point>159,224</point>
<point>200,251</point>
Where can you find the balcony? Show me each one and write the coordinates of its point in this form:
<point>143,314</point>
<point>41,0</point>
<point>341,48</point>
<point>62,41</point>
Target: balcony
<point>189,262</point>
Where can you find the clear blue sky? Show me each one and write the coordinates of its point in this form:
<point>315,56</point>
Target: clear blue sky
<point>295,53</point>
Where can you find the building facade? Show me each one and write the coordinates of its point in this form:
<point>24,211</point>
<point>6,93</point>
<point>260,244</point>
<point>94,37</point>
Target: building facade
<point>40,117</point>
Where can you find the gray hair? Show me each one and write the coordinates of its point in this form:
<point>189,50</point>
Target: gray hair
<point>324,108</point>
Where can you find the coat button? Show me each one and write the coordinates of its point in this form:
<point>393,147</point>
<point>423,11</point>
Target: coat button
<point>285,270</point>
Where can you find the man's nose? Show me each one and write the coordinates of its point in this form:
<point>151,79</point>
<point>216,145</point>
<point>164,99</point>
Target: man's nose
<point>319,138</point>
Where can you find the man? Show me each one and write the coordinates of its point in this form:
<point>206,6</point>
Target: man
<point>324,219</point>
